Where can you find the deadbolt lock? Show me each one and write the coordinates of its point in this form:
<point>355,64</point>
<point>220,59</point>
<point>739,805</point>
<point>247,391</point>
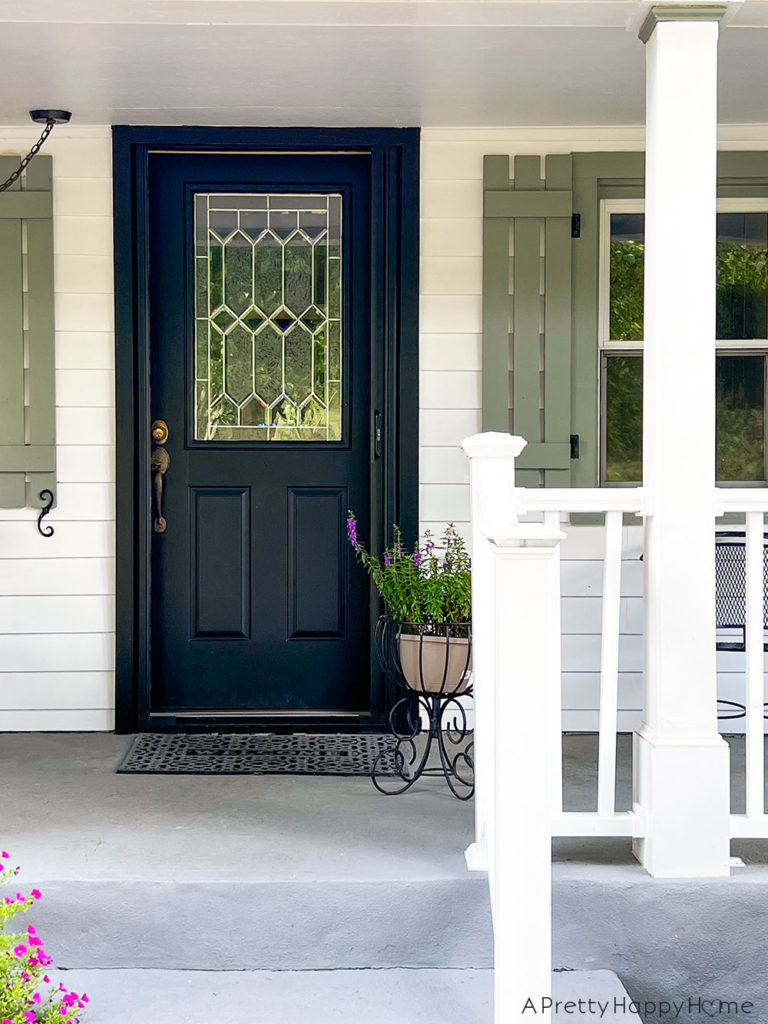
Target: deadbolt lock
<point>159,431</point>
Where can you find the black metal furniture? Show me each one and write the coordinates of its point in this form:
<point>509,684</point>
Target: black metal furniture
<point>442,747</point>
<point>731,602</point>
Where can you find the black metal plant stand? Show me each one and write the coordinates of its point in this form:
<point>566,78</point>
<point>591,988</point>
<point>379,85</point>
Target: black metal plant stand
<point>430,663</point>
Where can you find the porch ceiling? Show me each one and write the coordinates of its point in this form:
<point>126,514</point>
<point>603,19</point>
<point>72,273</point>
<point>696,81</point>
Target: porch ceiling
<point>347,62</point>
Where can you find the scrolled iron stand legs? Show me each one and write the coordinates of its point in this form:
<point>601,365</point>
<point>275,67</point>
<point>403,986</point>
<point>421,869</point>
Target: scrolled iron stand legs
<point>442,748</point>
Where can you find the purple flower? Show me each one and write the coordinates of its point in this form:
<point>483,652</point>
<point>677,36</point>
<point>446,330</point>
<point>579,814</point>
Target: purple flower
<point>387,558</point>
<point>417,557</point>
<point>352,530</point>
<point>429,546</point>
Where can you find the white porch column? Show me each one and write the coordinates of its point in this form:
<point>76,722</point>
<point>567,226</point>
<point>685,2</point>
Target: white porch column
<point>492,480</point>
<point>682,769</point>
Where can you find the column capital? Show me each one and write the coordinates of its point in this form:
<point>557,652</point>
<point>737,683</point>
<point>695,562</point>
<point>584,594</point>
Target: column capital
<point>701,11</point>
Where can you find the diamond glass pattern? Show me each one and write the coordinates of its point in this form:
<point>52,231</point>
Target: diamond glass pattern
<point>268,352</point>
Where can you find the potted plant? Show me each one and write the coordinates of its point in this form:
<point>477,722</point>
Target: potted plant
<point>427,599</point>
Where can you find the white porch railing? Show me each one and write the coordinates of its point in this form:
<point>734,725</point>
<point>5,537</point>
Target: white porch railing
<point>753,505</point>
<point>555,506</point>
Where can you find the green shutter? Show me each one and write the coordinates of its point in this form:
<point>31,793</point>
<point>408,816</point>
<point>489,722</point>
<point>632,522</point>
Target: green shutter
<point>527,327</point>
<point>27,397</point>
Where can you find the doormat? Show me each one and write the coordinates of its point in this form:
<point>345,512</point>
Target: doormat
<point>257,754</point>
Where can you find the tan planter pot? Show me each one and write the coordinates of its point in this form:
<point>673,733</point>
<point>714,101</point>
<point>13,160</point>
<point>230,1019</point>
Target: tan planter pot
<point>422,660</point>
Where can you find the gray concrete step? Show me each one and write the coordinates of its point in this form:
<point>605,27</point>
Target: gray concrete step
<point>323,997</point>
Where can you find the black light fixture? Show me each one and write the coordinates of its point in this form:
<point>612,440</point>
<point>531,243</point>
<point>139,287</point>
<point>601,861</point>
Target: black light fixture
<point>50,118</point>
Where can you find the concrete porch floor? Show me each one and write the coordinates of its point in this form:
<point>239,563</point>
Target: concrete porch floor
<point>156,873</point>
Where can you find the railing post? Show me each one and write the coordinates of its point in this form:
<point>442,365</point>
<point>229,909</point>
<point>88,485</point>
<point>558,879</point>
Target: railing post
<point>681,773</point>
<point>526,593</point>
<point>492,480</point>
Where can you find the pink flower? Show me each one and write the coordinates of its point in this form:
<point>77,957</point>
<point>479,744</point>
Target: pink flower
<point>36,894</point>
<point>31,930</point>
<point>63,1011</point>
<point>6,856</point>
<point>20,950</point>
<point>37,998</point>
<point>30,1016</point>
<point>6,1021</point>
<point>46,979</point>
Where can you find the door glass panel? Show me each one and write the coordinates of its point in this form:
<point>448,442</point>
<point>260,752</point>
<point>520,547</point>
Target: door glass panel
<point>268,328</point>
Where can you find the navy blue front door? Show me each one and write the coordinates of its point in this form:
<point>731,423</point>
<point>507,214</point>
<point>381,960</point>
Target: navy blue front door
<point>260,366</point>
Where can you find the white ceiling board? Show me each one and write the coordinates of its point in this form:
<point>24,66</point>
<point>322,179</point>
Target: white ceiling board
<point>356,63</point>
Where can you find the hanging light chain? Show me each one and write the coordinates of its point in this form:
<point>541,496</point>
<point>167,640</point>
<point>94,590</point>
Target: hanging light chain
<point>49,126</point>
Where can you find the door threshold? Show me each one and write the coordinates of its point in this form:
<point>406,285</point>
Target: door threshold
<point>260,713</point>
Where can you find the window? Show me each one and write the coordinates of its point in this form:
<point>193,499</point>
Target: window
<point>742,340</point>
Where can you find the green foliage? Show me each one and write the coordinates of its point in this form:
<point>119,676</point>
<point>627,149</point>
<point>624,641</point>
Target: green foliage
<point>624,419</point>
<point>23,963</point>
<point>627,266</point>
<point>420,586</point>
<point>742,290</point>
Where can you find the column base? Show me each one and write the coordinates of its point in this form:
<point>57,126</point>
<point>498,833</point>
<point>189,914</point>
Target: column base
<point>476,856</point>
<point>683,787</point>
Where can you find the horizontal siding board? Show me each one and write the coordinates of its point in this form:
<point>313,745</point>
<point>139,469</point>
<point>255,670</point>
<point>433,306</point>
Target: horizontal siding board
<point>70,540</point>
<point>84,388</point>
<point>444,502</point>
<point>80,464</point>
<point>82,197</point>
<point>77,274</point>
<point>461,314</point>
<point>57,576</point>
<point>66,691</point>
<point>450,390</point>
<point>85,426</point>
<point>451,352</point>
<point>448,426</point>
<point>57,614</point>
<point>86,236</point>
<point>452,238</point>
<point>443,466</point>
<point>11,335</point>
<point>61,652</point>
<point>451,275</point>
<point>84,311</point>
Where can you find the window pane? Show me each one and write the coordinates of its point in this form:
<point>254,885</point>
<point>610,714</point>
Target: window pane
<point>624,419</point>
<point>626,277</point>
<point>268,354</point>
<point>740,417</point>
<point>742,281</point>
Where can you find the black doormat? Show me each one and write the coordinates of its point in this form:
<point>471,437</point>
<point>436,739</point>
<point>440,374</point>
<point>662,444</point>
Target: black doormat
<point>256,754</point>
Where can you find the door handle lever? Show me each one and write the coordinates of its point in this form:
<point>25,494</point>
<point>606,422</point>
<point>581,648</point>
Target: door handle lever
<point>159,464</point>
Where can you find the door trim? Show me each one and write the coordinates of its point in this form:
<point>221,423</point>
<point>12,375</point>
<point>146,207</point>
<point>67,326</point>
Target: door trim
<point>395,371</point>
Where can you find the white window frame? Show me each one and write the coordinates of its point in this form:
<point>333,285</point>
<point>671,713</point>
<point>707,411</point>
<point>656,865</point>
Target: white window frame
<point>607,344</point>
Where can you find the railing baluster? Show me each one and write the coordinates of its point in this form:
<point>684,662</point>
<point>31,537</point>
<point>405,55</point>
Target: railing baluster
<point>609,665</point>
<point>755,696</point>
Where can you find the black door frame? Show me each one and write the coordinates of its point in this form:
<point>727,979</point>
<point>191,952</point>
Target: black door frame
<point>395,370</point>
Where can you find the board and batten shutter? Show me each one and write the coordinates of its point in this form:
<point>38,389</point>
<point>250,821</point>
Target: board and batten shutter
<point>527,311</point>
<point>27,395</point>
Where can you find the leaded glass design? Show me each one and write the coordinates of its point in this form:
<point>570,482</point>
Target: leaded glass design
<point>268,330</point>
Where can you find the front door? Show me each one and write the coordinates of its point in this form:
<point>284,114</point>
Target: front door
<point>260,367</point>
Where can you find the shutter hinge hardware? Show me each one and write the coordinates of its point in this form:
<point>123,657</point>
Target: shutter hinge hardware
<point>575,225</point>
<point>574,446</point>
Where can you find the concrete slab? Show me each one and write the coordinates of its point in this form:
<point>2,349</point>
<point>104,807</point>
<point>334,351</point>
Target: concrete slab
<point>285,997</point>
<point>325,997</point>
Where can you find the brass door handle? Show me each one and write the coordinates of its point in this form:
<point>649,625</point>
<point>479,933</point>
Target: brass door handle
<point>159,464</point>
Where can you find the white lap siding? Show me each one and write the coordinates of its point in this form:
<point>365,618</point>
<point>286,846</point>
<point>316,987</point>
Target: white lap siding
<point>57,606</point>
